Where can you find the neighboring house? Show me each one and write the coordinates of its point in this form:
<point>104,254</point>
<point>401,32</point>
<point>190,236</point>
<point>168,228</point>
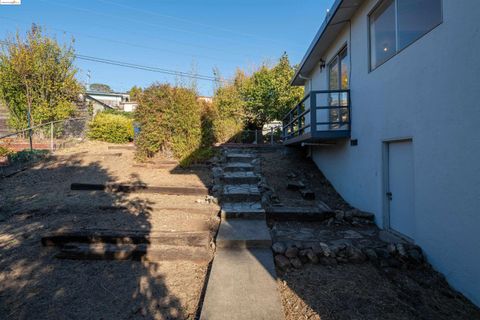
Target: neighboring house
<point>395,85</point>
<point>205,99</point>
<point>106,100</point>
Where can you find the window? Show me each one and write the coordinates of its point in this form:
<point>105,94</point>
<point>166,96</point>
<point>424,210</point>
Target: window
<point>382,33</point>
<point>394,24</point>
<point>338,73</point>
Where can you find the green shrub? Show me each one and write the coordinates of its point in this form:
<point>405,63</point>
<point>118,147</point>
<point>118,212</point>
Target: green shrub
<point>27,155</point>
<point>170,120</point>
<point>4,151</point>
<point>229,118</point>
<point>113,128</point>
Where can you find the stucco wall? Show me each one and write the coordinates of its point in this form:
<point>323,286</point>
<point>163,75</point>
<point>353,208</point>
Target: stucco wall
<point>430,92</point>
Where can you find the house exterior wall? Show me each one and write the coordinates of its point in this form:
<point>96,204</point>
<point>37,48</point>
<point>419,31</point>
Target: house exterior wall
<point>429,92</point>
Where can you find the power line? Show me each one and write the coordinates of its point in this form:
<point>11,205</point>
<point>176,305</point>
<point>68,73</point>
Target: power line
<point>222,29</point>
<point>131,44</point>
<point>141,67</point>
<point>154,25</point>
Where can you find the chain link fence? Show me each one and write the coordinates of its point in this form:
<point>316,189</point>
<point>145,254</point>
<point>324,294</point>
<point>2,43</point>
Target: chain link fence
<point>23,148</point>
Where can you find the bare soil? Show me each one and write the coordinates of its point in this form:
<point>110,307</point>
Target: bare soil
<point>351,291</point>
<point>36,285</point>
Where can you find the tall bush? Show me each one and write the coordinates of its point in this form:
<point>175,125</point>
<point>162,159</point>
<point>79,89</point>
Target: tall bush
<point>170,120</point>
<point>229,113</point>
<point>108,127</point>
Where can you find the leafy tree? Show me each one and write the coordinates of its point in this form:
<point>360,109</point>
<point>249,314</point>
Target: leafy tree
<point>229,106</point>
<point>135,93</point>
<point>37,79</point>
<point>101,87</point>
<point>254,100</point>
<point>268,94</point>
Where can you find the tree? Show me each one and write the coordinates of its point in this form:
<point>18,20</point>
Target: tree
<point>268,94</point>
<point>135,93</point>
<point>229,107</point>
<point>100,87</point>
<point>252,101</point>
<point>37,79</point>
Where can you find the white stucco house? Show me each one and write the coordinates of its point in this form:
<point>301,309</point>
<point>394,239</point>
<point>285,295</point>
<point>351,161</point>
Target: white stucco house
<point>391,115</point>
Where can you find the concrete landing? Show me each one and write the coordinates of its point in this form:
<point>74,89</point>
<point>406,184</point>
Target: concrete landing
<point>242,287</point>
<point>242,233</point>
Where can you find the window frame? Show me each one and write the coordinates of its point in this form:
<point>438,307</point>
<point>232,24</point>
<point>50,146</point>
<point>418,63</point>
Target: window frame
<point>397,51</point>
<point>343,48</point>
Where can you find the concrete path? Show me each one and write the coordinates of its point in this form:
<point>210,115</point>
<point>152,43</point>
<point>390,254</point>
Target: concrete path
<point>242,283</point>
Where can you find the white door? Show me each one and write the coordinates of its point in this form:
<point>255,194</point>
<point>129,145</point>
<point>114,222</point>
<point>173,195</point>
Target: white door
<point>400,188</point>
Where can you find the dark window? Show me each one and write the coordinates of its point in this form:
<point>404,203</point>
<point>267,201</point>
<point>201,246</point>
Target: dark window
<point>415,18</point>
<point>394,24</point>
<point>382,33</point>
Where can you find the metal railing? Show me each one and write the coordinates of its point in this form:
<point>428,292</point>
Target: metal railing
<point>268,135</point>
<point>330,119</point>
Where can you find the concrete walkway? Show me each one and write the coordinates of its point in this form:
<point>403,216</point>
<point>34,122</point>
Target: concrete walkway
<point>242,283</point>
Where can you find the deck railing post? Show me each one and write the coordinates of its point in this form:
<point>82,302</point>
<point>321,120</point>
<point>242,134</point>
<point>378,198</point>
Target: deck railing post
<point>299,121</point>
<point>313,113</point>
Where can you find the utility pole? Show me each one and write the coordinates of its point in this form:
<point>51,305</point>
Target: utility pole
<point>88,79</point>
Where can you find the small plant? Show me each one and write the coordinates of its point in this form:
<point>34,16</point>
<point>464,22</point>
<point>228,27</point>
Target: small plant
<point>112,128</point>
<point>26,155</point>
<point>4,151</point>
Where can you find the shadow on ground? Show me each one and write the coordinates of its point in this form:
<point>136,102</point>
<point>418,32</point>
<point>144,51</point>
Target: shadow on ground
<point>36,285</point>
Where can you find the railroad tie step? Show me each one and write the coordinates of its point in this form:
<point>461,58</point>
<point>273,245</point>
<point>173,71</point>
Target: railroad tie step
<point>137,252</point>
<point>102,236</point>
<point>128,188</point>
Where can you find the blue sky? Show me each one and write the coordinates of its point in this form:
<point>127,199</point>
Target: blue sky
<point>188,35</point>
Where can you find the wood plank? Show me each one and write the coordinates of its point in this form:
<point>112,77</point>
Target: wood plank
<point>140,252</point>
<point>121,147</point>
<point>191,239</point>
<point>201,191</point>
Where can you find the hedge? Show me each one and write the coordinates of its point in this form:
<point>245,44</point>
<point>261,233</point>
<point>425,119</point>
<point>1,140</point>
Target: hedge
<point>112,128</point>
<point>172,121</point>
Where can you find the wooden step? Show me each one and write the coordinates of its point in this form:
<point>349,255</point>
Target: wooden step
<point>92,236</point>
<point>117,187</point>
<point>137,252</point>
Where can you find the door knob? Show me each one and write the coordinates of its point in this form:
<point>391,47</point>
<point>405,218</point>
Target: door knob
<point>389,195</point>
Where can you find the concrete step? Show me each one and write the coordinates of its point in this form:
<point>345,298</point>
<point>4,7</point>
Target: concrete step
<point>242,210</point>
<point>240,177</point>
<point>243,233</point>
<point>242,286</point>
<point>238,166</point>
<point>240,157</point>
<point>240,193</point>
<point>138,252</point>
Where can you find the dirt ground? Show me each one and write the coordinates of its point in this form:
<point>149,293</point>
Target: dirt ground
<point>351,291</point>
<point>36,285</point>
